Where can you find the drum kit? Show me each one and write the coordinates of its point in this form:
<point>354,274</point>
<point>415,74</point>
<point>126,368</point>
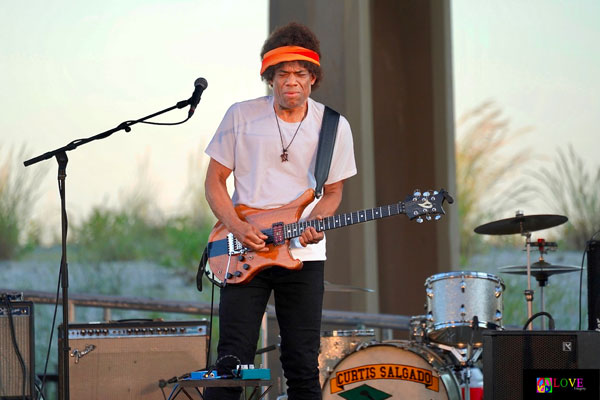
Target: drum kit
<point>442,358</point>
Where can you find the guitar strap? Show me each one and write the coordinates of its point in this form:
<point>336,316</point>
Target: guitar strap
<point>327,136</point>
<point>201,269</point>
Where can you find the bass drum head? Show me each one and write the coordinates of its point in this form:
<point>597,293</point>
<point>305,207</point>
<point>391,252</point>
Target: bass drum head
<point>399,370</point>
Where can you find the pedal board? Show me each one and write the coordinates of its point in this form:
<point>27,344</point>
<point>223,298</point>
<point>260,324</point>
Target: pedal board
<point>256,373</point>
<point>245,374</point>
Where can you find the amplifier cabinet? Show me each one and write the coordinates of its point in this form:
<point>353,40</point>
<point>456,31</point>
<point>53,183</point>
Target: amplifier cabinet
<point>593,284</point>
<point>509,355</point>
<point>126,360</point>
<point>11,373</point>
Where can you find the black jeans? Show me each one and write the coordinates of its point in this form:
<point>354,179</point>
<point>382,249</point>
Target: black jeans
<point>298,305</point>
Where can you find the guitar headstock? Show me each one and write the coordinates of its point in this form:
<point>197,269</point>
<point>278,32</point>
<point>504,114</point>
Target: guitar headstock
<point>428,204</point>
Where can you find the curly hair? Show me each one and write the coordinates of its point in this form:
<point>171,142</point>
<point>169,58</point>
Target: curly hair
<point>293,34</point>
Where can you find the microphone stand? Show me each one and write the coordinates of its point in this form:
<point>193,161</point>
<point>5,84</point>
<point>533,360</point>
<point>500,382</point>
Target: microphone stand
<point>61,158</point>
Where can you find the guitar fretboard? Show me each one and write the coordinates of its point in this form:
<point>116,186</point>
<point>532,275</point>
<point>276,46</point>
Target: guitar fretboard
<point>337,221</point>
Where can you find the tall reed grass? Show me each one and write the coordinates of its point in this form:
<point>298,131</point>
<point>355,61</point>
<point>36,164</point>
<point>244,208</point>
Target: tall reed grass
<point>572,189</point>
<point>487,162</point>
<point>18,193</point>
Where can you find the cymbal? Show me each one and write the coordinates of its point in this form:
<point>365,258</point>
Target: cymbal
<point>336,287</point>
<point>541,270</point>
<point>519,224</point>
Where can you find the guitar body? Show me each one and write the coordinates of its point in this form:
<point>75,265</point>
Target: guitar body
<point>241,268</point>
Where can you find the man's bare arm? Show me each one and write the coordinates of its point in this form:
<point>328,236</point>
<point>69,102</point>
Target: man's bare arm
<point>215,189</point>
<point>326,207</point>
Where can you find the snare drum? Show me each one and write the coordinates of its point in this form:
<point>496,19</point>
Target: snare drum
<point>398,370</point>
<point>336,345</point>
<point>453,299</point>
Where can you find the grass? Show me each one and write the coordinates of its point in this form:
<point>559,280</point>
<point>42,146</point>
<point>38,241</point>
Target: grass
<point>574,191</point>
<point>137,229</point>
<point>485,173</point>
<point>18,193</point>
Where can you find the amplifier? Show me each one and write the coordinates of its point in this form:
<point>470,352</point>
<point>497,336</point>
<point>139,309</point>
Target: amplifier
<point>513,360</point>
<point>11,373</point>
<point>125,360</point>
<point>593,284</point>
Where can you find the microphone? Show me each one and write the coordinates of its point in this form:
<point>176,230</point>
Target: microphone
<point>200,85</point>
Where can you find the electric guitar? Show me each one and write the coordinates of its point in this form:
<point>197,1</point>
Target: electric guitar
<point>229,262</point>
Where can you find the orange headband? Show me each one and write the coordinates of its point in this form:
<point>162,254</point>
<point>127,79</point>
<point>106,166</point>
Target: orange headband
<point>288,53</point>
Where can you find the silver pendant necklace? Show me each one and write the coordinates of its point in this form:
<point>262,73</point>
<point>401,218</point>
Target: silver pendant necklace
<point>284,149</point>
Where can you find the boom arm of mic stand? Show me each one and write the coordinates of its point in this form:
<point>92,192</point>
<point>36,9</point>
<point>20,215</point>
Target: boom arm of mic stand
<point>126,126</point>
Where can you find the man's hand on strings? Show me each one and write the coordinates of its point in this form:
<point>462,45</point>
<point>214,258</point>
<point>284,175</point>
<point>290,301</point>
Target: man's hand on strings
<point>249,236</point>
<point>310,235</point>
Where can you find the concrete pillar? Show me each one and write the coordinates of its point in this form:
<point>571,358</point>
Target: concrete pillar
<point>414,143</point>
<point>387,66</point>
<point>343,28</point>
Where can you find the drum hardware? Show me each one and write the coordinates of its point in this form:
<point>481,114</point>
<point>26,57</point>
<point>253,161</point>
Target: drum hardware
<point>523,225</point>
<point>418,329</point>
<point>460,355</point>
<point>470,360</point>
<point>336,287</point>
<point>466,357</point>
<point>540,270</point>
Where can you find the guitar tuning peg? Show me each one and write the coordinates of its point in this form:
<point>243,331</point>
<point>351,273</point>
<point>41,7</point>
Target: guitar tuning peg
<point>428,218</point>
<point>417,192</point>
<point>435,192</point>
<point>419,220</point>
<point>426,194</point>
<point>438,217</point>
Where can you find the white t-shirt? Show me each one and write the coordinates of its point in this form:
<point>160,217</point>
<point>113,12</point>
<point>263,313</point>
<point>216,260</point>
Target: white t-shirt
<point>248,142</point>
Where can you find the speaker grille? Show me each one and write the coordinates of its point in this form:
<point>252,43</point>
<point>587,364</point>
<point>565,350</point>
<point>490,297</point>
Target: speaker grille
<point>593,271</point>
<point>129,367</point>
<point>507,354</point>
<point>11,375</point>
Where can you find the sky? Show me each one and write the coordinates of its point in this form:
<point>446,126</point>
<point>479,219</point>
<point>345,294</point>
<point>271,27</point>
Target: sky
<point>72,69</point>
<point>538,61</point>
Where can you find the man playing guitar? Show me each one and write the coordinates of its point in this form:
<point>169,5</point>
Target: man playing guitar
<point>270,145</point>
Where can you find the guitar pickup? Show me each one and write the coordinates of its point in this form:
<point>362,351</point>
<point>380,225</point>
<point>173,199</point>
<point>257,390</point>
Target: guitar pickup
<point>278,234</point>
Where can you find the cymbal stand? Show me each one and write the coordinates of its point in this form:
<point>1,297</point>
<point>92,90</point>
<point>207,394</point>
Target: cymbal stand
<point>529,292</point>
<point>542,278</point>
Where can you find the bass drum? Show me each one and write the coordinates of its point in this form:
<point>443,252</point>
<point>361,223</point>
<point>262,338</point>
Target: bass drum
<point>395,369</point>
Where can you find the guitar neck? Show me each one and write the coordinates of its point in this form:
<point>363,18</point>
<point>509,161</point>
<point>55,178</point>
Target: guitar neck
<point>295,229</point>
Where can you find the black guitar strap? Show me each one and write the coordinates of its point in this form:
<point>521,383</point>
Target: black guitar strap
<point>327,136</point>
<point>201,269</point>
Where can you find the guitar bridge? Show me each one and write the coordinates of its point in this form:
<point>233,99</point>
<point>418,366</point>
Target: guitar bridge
<point>234,246</point>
